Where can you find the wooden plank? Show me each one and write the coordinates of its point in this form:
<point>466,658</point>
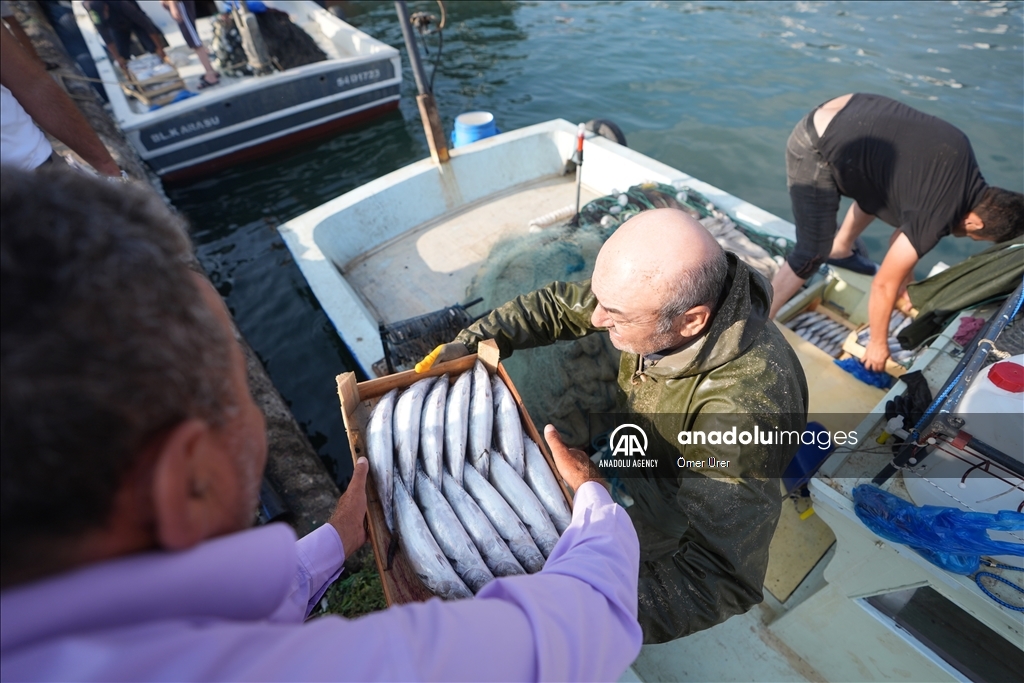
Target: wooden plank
<point>400,582</point>
<point>532,432</point>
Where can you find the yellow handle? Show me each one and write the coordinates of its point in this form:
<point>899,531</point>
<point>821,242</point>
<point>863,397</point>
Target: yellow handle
<point>428,362</point>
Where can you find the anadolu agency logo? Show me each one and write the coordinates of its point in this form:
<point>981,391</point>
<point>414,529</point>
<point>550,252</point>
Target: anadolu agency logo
<point>628,447</point>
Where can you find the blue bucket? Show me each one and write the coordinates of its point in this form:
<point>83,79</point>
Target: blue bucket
<point>472,126</point>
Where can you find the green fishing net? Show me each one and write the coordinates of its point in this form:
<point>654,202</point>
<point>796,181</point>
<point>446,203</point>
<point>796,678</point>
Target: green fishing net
<point>561,384</point>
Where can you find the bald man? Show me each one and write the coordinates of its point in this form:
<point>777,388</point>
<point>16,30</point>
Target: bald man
<point>698,355</point>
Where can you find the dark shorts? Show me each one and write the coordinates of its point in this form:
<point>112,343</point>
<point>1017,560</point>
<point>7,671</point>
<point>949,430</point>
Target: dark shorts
<point>187,25</point>
<point>814,196</point>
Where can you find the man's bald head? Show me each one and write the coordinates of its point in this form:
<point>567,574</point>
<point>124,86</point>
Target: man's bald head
<point>657,266</point>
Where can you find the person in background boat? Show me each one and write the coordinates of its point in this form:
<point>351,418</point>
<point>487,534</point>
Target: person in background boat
<point>184,13</point>
<point>28,96</point>
<point>691,321</point>
<point>130,468</point>
<point>914,171</point>
<point>116,20</point>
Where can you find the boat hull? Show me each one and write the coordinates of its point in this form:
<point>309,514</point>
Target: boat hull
<point>246,118</point>
<point>286,139</point>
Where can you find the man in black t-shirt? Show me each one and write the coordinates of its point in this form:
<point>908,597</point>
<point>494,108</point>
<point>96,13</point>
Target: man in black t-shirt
<point>914,171</point>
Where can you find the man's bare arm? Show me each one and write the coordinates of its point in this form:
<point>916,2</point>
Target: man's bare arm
<point>899,262</point>
<point>49,106</point>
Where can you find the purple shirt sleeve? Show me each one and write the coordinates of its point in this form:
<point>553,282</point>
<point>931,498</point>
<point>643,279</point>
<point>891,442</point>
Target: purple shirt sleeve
<point>321,556</point>
<point>574,620</point>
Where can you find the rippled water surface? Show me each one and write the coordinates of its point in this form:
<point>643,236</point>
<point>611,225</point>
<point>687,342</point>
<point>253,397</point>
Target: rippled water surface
<point>713,89</point>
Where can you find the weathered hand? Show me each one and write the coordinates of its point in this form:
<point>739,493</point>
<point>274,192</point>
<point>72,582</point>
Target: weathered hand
<point>442,354</point>
<point>875,356</point>
<point>573,465</point>
<point>350,511</point>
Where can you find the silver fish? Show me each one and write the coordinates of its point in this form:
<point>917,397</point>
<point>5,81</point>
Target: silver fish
<point>422,550</point>
<point>814,338</point>
<point>449,534</point>
<point>432,429</point>
<point>380,453</point>
<point>481,419</point>
<point>494,550</point>
<point>505,521</point>
<point>456,424</point>
<point>543,483</point>
<point>819,326</point>
<point>841,334</point>
<point>798,320</point>
<point>811,320</point>
<point>902,326</point>
<point>517,494</point>
<point>902,356</point>
<point>408,410</point>
<point>508,430</point>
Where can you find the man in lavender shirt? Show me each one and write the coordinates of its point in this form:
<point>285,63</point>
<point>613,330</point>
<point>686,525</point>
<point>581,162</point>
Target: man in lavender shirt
<point>131,460</point>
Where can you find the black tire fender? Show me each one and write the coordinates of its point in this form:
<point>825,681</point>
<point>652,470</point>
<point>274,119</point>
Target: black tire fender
<point>607,129</point>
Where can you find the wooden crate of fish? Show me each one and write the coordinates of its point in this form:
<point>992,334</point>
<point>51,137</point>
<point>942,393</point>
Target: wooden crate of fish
<point>822,327</point>
<point>462,488</point>
<point>900,360</point>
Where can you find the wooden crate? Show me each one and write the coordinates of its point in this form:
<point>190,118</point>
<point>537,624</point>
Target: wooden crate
<point>857,351</point>
<point>158,90</point>
<point>400,582</point>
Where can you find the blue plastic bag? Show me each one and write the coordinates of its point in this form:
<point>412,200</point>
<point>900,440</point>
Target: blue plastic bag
<point>947,537</point>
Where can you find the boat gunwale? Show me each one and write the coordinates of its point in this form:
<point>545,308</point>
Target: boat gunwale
<point>324,271</point>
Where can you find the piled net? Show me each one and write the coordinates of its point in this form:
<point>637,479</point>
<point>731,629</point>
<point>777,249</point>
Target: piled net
<point>561,384</point>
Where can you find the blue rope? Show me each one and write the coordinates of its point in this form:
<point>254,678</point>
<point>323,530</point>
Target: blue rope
<point>986,591</point>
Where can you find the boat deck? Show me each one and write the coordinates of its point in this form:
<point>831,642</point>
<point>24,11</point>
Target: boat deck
<point>432,265</point>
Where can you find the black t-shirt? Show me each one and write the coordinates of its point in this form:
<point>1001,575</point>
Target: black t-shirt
<point>914,171</point>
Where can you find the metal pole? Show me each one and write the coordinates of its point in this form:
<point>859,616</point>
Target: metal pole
<point>425,100</point>
<point>410,47</point>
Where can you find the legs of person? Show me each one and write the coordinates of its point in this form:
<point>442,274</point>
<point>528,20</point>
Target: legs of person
<point>210,76</point>
<point>853,225</point>
<point>815,200</point>
<point>122,44</point>
<point>187,12</point>
<point>785,284</point>
<point>144,28</point>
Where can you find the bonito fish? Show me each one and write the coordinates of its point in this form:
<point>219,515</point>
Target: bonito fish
<point>543,483</point>
<point>508,430</point>
<point>432,430</point>
<point>408,410</point>
<point>456,424</point>
<point>517,493</point>
<point>449,534</point>
<point>481,419</point>
<point>505,521</point>
<point>422,550</point>
<point>494,550</point>
<point>380,452</point>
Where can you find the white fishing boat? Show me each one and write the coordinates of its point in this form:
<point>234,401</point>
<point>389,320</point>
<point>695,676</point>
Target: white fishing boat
<point>840,603</point>
<point>248,117</point>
